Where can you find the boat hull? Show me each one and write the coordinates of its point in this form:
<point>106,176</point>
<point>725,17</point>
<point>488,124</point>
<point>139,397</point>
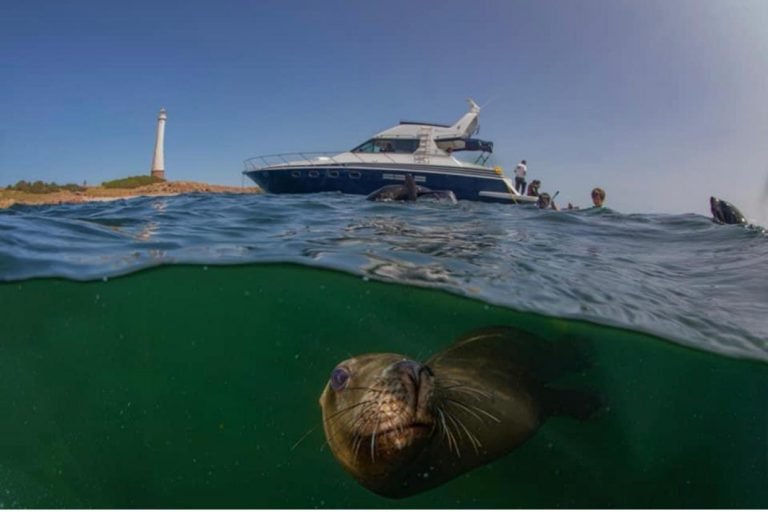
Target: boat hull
<point>470,184</point>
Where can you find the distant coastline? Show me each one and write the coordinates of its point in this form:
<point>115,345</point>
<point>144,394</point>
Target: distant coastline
<point>166,188</point>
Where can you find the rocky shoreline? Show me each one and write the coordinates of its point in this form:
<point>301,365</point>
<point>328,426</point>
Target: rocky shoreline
<point>167,188</point>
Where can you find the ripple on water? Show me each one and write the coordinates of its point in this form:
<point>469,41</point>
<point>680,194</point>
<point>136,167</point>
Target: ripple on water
<point>677,276</point>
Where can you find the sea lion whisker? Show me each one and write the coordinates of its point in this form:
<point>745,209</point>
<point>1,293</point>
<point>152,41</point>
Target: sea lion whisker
<point>442,427</point>
<point>302,438</point>
<point>463,388</point>
<point>448,382</point>
<point>357,442</point>
<point>472,439</point>
<point>358,438</point>
<point>443,380</point>
<point>373,441</point>
<point>337,435</point>
<point>365,388</point>
<point>471,391</point>
<point>465,407</point>
<point>349,425</point>
<point>453,444</point>
<point>456,423</point>
<point>472,408</point>
<point>347,409</point>
<point>483,411</point>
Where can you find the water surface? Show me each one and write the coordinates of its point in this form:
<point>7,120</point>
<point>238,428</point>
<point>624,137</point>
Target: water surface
<point>170,352</point>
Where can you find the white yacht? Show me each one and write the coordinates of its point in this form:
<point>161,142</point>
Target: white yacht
<point>424,150</point>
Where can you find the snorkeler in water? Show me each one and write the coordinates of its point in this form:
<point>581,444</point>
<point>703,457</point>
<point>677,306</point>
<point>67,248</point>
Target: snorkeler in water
<point>545,201</point>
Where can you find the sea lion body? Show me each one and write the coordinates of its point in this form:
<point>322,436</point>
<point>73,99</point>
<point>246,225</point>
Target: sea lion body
<point>409,191</point>
<point>401,427</point>
<point>724,212</point>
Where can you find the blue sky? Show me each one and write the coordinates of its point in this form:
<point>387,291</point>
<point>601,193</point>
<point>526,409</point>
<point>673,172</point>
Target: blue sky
<point>663,103</point>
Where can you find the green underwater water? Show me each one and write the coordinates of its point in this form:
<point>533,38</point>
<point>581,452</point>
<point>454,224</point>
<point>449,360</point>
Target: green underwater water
<point>189,387</point>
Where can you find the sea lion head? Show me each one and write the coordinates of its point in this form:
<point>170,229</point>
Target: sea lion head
<point>378,413</point>
<point>724,212</point>
<point>411,189</point>
<point>400,427</point>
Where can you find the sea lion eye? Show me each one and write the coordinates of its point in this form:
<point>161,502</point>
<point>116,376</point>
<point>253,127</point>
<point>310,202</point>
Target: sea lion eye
<point>339,378</point>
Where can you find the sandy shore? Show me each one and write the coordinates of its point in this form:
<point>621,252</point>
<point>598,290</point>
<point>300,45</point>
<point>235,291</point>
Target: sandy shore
<point>167,188</point>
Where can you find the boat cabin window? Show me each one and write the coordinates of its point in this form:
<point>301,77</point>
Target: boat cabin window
<point>388,146</point>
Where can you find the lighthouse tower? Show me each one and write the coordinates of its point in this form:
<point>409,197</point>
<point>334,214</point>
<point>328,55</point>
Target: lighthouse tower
<point>158,160</point>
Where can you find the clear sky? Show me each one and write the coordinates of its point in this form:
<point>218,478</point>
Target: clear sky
<point>663,103</point>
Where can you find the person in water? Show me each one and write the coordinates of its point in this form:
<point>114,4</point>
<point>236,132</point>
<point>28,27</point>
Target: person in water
<point>546,201</point>
<point>598,197</point>
<point>533,188</point>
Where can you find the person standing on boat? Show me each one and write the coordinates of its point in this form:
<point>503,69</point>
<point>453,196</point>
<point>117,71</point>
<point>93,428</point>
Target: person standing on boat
<point>520,171</point>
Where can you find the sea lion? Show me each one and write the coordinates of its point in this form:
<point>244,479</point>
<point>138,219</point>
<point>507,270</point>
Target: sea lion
<point>400,427</point>
<point>409,191</point>
<point>724,212</point>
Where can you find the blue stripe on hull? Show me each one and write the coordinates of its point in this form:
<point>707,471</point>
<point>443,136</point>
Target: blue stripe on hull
<point>363,181</point>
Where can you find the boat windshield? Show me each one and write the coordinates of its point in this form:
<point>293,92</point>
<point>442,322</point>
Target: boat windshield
<point>388,146</point>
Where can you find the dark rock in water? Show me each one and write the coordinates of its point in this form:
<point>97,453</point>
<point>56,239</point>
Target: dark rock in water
<point>409,191</point>
<point>724,212</point>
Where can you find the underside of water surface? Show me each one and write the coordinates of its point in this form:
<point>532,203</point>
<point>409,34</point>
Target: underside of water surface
<point>190,386</point>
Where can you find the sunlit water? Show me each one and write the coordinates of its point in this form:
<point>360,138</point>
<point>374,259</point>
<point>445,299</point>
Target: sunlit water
<point>189,385</point>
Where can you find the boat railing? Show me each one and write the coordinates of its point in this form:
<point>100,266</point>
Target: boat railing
<point>308,158</point>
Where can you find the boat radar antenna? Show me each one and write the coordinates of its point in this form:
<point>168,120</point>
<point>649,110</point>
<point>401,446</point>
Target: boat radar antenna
<point>474,108</point>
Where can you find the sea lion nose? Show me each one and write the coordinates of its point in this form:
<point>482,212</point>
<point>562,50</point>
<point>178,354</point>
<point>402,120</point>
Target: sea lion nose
<point>411,368</point>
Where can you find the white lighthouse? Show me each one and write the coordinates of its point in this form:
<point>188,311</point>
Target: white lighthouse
<point>158,160</point>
